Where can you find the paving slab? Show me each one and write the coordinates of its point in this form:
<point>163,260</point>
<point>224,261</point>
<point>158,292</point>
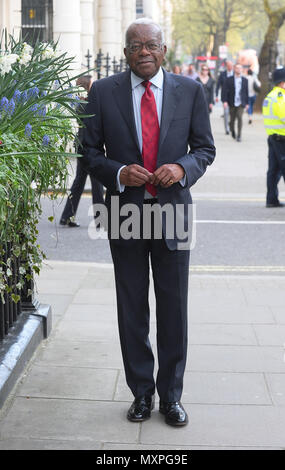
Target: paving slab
<point>69,383</point>
<point>270,335</point>
<point>224,335</point>
<point>213,425</point>
<point>276,384</point>
<point>97,354</point>
<point>213,388</point>
<point>48,444</point>
<point>236,359</point>
<point>74,420</point>
<point>211,313</point>
<point>141,447</point>
<point>279,314</point>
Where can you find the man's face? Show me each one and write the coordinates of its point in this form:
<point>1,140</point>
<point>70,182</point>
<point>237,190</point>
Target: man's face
<point>238,69</point>
<point>144,51</point>
<point>229,66</point>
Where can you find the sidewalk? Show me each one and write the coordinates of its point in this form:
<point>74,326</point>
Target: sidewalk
<point>73,393</point>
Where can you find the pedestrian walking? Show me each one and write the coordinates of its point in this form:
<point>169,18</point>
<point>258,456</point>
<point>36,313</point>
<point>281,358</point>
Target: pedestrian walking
<point>220,84</point>
<point>77,188</point>
<point>235,95</point>
<point>208,83</point>
<point>144,120</point>
<point>274,120</point>
<point>177,69</point>
<point>191,73</point>
<point>253,88</point>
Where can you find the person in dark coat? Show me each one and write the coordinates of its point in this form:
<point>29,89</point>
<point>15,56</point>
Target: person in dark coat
<point>68,215</point>
<point>235,95</point>
<point>208,84</point>
<point>148,141</point>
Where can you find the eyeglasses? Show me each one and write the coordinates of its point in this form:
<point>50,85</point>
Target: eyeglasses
<point>138,47</point>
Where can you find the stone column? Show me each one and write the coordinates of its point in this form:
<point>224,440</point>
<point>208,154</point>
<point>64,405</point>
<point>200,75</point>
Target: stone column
<point>2,15</point>
<point>96,26</point>
<point>87,30</point>
<point>119,30</point>
<point>107,22</point>
<point>67,28</point>
<point>128,15</point>
<point>10,16</point>
<point>148,8</point>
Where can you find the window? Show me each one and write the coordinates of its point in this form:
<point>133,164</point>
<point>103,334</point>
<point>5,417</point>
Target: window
<point>37,20</point>
<point>139,7</point>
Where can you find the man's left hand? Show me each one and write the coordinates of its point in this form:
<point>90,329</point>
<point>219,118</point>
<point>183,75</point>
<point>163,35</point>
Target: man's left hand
<point>167,175</point>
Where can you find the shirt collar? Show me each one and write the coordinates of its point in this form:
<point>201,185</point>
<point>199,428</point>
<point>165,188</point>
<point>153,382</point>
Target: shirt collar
<point>157,80</point>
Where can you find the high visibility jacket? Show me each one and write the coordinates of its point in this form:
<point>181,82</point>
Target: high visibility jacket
<point>273,111</point>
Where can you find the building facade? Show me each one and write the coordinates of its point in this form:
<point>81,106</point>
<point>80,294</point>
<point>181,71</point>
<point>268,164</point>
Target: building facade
<point>81,25</point>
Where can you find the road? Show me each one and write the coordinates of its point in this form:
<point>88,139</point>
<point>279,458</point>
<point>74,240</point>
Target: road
<point>235,232</point>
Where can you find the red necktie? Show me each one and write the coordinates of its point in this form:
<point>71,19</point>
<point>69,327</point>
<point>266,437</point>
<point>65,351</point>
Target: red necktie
<point>150,133</point>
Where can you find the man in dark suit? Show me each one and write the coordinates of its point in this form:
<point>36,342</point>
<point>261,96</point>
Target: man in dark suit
<point>77,188</point>
<point>220,85</point>
<point>235,95</point>
<point>137,144</point>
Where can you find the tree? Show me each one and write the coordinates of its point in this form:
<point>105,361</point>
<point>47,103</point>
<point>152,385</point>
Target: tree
<point>268,54</point>
<point>208,21</point>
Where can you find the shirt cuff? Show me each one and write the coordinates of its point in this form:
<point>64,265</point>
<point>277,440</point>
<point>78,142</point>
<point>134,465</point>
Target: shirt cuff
<point>120,186</point>
<point>183,181</point>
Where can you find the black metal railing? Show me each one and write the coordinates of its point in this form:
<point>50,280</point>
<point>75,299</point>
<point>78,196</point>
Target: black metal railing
<point>9,309</point>
<point>104,64</point>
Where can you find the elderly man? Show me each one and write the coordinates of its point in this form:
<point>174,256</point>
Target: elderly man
<point>137,144</point>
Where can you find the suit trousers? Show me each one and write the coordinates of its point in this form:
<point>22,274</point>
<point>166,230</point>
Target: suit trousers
<point>77,189</point>
<point>276,168</point>
<point>236,112</point>
<point>170,270</point>
<point>226,119</point>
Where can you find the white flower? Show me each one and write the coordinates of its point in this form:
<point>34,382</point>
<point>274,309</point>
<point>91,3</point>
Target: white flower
<point>25,59</point>
<point>27,49</point>
<point>48,53</point>
<point>6,62</point>
<point>33,185</point>
<point>26,55</point>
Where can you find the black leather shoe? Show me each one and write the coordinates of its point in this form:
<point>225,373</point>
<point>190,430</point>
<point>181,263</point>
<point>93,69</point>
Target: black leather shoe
<point>233,134</point>
<point>141,409</point>
<point>238,139</point>
<point>277,204</point>
<point>175,415</point>
<point>69,223</point>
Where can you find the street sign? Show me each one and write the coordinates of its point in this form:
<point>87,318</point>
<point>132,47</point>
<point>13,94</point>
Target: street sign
<point>223,52</point>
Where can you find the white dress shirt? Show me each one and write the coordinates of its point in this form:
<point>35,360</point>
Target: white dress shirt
<point>238,84</point>
<point>137,92</point>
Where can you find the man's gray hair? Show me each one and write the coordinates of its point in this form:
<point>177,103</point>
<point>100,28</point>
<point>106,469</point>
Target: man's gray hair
<point>147,21</point>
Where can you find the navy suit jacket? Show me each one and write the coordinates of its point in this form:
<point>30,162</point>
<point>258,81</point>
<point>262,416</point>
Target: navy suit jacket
<point>110,137</point>
<point>228,91</point>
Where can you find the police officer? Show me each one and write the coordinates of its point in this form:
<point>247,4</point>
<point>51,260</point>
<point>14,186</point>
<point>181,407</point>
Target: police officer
<point>274,120</point>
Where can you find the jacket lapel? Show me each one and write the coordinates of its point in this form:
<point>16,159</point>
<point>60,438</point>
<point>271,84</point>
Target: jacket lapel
<point>123,96</point>
<point>170,100</point>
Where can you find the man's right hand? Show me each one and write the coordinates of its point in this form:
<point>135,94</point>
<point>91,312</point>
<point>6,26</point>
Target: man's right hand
<point>135,175</point>
<point>225,104</point>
